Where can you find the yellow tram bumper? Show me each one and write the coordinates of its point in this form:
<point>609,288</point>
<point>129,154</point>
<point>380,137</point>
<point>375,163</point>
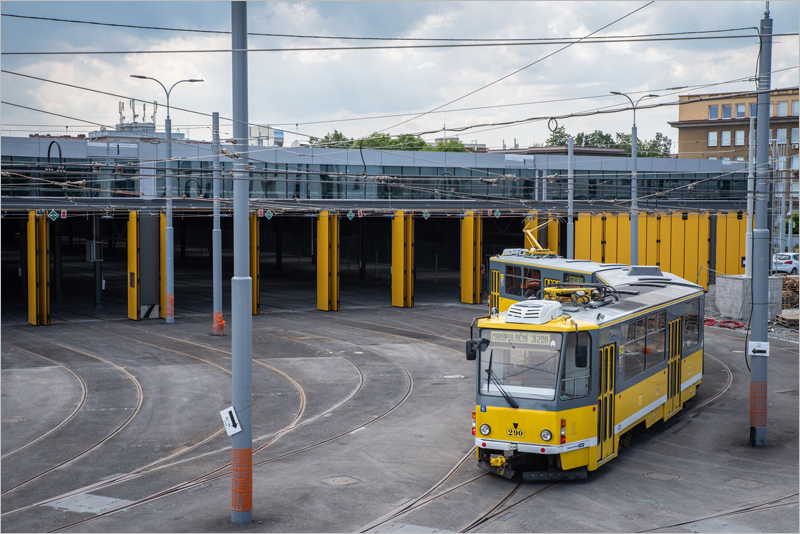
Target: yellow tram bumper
<point>513,433</point>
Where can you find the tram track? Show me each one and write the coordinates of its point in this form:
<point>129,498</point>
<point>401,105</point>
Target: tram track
<point>164,461</point>
<point>217,473</point>
<point>69,417</point>
<point>139,401</point>
<point>747,509</point>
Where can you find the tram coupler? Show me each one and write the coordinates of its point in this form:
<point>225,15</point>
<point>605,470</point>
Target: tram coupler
<point>499,468</point>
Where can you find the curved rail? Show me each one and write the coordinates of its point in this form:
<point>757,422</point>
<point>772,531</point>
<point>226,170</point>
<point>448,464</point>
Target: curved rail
<point>139,400</point>
<point>65,421</point>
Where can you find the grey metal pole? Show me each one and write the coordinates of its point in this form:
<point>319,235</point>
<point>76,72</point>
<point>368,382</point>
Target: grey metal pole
<point>218,327</point>
<point>169,243</point>
<point>634,194</point>
<point>570,197</point>
<point>241,283</point>
<point>758,348</point>
<point>748,239</point>
<point>98,265</point>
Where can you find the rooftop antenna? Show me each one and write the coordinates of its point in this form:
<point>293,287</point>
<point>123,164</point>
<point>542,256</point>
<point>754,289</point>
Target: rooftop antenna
<point>133,109</point>
<point>144,111</point>
<point>121,109</point>
<point>153,116</point>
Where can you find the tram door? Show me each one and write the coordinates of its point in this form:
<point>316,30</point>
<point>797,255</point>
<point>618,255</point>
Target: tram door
<point>675,340</point>
<point>494,296</point>
<point>605,402</point>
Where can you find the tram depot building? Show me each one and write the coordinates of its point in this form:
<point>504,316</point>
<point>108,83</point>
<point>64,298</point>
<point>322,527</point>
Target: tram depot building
<point>83,194</point>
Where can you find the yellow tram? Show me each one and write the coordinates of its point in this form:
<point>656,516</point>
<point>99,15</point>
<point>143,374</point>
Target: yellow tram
<point>565,377</point>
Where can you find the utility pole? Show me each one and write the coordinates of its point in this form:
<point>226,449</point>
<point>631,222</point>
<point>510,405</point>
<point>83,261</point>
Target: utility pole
<point>216,234</point>
<point>241,283</point>
<point>751,184</point>
<point>758,347</point>
<point>570,198</point>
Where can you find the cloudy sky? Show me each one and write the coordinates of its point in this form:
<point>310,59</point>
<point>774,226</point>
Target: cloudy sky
<point>313,92</point>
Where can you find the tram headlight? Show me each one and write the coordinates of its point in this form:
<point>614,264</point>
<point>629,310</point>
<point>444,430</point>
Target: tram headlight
<point>485,429</point>
<point>546,435</point>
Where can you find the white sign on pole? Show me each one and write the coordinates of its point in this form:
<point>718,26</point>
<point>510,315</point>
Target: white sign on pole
<point>231,421</point>
<point>758,348</point>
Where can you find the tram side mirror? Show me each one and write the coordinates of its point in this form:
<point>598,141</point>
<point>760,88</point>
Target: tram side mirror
<point>473,345</point>
<point>582,356</point>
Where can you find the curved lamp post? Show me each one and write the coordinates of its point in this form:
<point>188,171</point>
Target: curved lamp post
<point>168,236</point>
<point>634,204</point>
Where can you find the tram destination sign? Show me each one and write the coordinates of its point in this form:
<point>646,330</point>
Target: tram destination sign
<point>521,338</point>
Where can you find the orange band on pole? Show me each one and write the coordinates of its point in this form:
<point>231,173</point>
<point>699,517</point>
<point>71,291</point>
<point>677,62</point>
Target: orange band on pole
<point>219,324</point>
<point>171,305</point>
<point>758,404</point>
<point>241,480</point>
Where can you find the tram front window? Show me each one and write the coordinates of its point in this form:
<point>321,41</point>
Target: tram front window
<point>521,364</point>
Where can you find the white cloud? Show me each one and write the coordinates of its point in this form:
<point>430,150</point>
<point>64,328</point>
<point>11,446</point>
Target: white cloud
<point>297,87</point>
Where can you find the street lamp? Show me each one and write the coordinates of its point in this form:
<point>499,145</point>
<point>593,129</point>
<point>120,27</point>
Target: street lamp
<point>634,205</point>
<point>168,239</point>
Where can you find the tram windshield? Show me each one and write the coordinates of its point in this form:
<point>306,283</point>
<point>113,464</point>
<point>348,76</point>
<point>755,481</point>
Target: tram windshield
<point>520,364</point>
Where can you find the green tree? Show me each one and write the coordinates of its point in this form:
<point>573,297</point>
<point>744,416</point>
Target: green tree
<point>658,147</point>
<point>331,140</point>
<point>558,137</point>
<point>453,145</point>
<point>595,139</point>
<point>387,142</point>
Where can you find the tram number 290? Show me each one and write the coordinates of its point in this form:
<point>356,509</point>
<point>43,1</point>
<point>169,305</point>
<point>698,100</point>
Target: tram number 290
<point>515,433</point>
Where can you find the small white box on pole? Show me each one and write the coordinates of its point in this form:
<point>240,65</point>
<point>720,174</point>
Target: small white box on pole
<point>231,421</point>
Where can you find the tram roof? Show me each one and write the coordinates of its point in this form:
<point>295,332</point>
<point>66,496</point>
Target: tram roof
<point>641,288</point>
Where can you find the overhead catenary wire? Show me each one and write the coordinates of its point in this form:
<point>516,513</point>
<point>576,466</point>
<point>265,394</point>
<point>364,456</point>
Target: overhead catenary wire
<point>308,135</point>
<point>343,38</point>
<point>568,41</point>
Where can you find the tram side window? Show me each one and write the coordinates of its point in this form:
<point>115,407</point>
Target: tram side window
<point>532,282</point>
<point>634,348</point>
<point>691,325</point>
<point>576,378</point>
<point>513,280</point>
<point>656,339</point>
<point>645,344</point>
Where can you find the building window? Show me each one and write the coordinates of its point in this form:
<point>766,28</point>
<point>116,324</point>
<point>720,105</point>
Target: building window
<point>726,158</point>
<point>712,138</point>
<point>781,135</point>
<point>795,135</point>
<point>726,111</point>
<point>726,139</point>
<point>739,138</point>
<point>794,162</point>
<point>738,158</point>
<point>783,109</point>
<point>795,107</point>
<point>713,158</point>
<point>754,110</point>
<point>713,113</point>
<point>739,111</point>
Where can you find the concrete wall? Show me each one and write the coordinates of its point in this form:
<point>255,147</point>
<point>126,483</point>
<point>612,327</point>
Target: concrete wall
<point>734,299</point>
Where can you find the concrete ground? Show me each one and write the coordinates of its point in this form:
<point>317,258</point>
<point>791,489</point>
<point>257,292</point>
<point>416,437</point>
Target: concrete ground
<point>111,425</point>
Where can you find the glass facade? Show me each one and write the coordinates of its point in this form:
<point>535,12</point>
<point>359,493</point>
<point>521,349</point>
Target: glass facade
<point>24,176</point>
